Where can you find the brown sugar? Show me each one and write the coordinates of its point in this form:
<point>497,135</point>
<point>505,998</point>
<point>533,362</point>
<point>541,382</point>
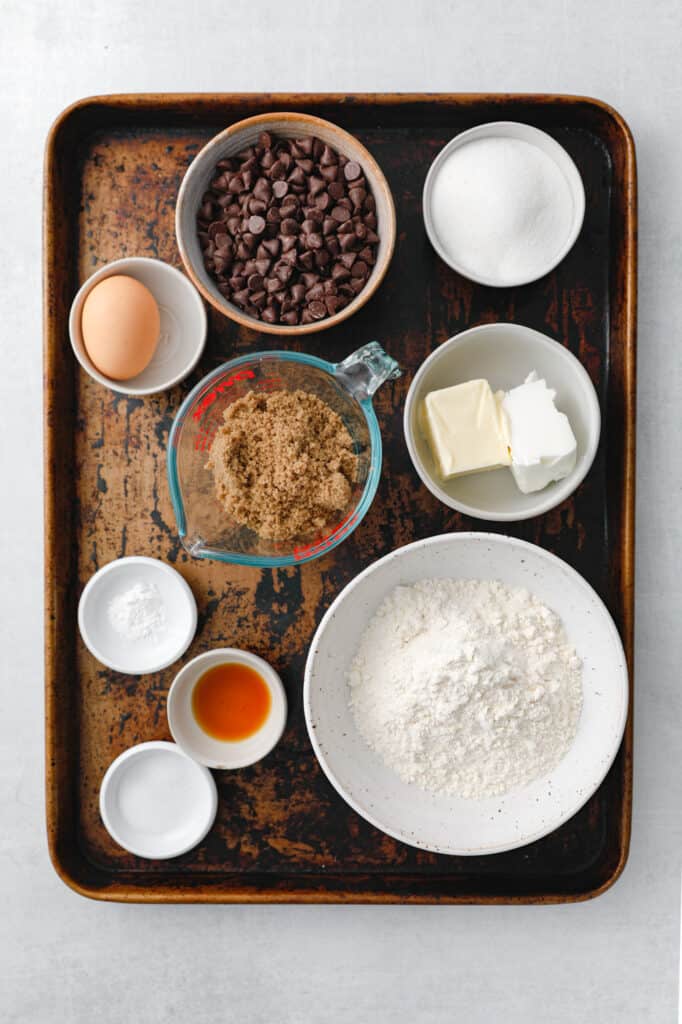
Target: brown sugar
<point>283,464</point>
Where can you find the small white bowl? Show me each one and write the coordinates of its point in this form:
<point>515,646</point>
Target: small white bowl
<point>222,753</point>
<point>549,146</point>
<point>183,325</point>
<point>504,355</point>
<point>147,654</point>
<point>156,802</point>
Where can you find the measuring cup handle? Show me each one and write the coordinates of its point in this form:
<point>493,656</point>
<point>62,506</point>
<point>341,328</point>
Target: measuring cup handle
<point>362,372</point>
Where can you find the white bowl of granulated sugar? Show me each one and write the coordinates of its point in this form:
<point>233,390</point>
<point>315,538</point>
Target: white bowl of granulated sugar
<point>467,693</point>
<point>137,615</point>
<point>503,203</point>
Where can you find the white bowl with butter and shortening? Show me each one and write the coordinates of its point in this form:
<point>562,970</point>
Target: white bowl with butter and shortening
<point>435,817</point>
<point>504,355</point>
<point>503,203</point>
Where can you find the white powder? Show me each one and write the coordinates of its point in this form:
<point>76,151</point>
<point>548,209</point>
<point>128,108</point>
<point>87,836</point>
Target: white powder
<point>502,209</point>
<point>466,686</point>
<point>138,613</point>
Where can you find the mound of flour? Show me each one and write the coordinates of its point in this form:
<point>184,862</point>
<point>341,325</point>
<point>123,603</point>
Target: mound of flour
<point>466,686</point>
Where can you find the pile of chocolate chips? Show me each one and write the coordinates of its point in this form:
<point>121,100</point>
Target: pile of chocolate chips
<point>288,230</point>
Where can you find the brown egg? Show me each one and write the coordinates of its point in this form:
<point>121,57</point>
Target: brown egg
<point>120,324</point>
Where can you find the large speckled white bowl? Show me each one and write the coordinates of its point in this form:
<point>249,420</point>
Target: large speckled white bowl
<point>445,823</point>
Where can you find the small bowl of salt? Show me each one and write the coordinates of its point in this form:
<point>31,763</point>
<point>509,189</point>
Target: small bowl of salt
<point>503,204</point>
<point>137,615</point>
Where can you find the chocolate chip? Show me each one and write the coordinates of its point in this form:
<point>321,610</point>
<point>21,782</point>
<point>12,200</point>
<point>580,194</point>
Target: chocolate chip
<point>278,170</point>
<point>360,269</point>
<point>262,189</point>
<point>280,189</point>
<point>256,225</point>
<point>341,214</point>
<point>347,242</point>
<point>336,190</point>
<point>318,310</point>
<point>284,272</point>
<point>272,245</point>
<point>289,226</point>
<point>357,197</point>
<point>255,282</point>
<point>290,318</point>
<point>297,176</point>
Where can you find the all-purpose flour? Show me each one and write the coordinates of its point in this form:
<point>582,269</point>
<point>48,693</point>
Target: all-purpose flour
<point>466,686</point>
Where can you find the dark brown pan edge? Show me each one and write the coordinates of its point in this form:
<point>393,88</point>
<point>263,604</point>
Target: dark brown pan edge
<point>70,865</point>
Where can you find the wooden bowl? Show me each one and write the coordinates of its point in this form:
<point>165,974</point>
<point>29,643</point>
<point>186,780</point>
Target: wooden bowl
<point>231,141</point>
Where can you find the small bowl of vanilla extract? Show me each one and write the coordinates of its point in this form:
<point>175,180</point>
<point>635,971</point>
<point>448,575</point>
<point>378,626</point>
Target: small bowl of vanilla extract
<point>227,708</point>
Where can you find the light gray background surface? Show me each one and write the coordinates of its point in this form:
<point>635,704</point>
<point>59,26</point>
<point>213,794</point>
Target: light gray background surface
<point>63,958</point>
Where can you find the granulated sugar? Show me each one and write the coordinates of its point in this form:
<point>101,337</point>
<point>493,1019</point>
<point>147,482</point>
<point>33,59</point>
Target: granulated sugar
<point>502,209</point>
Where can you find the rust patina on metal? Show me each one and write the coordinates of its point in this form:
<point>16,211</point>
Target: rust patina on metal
<point>113,167</point>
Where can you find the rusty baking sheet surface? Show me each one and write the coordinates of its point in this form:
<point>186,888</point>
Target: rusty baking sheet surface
<point>113,168</point>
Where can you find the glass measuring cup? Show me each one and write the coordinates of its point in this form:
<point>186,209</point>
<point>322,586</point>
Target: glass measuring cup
<point>205,528</point>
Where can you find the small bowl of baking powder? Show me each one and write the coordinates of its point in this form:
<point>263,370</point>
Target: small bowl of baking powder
<point>137,615</point>
<point>503,203</point>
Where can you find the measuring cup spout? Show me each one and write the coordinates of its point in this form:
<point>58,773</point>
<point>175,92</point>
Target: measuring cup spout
<point>363,371</point>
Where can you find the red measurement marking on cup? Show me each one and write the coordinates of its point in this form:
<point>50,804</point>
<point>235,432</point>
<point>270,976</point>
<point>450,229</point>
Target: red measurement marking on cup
<point>332,538</point>
<point>204,440</point>
<point>268,384</point>
<point>207,400</point>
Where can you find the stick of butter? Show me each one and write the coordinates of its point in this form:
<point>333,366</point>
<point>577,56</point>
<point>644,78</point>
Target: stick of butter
<point>543,445</point>
<point>466,429</point>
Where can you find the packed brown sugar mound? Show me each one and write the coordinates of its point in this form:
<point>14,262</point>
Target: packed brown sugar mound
<point>283,464</point>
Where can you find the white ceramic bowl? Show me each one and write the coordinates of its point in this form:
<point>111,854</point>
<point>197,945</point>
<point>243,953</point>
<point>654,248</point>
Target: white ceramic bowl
<point>183,325</point>
<point>241,135</point>
<point>221,753</point>
<point>549,146</point>
<point>504,354</point>
<point>157,802</point>
<point>446,823</point>
<point>146,654</point>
